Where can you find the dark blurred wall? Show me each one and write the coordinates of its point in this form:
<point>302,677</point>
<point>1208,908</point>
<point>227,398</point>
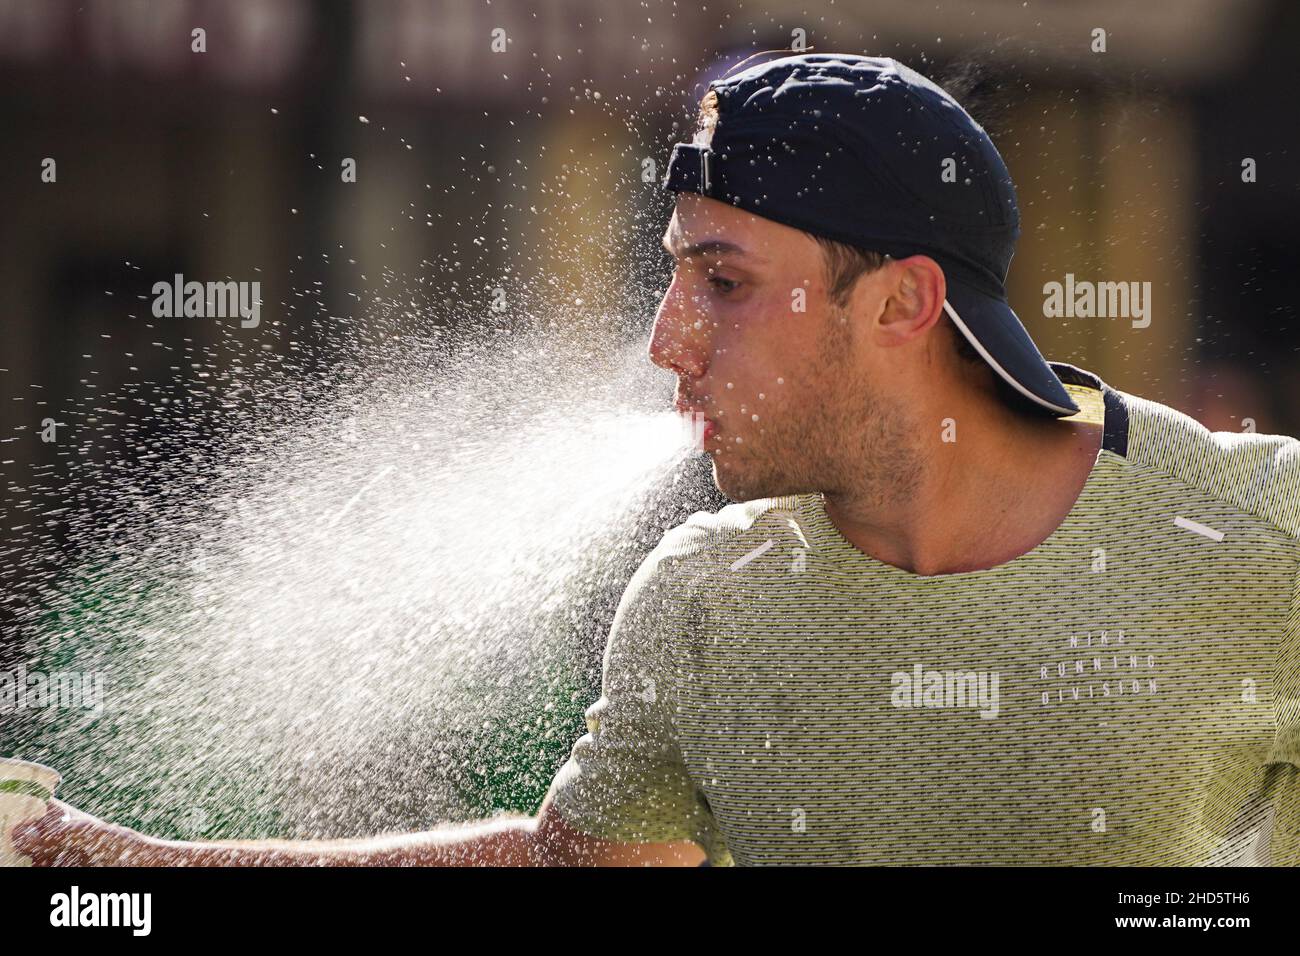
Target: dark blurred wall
<point>523,168</point>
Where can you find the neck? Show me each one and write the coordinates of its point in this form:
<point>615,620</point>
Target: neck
<point>997,492</point>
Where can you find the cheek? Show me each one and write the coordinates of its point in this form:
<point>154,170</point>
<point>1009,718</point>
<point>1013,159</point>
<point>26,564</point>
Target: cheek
<point>765,331</point>
<point>761,396</point>
<point>769,353</point>
<point>747,354</point>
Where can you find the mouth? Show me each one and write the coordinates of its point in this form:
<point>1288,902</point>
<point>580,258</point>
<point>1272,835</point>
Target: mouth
<point>701,427</point>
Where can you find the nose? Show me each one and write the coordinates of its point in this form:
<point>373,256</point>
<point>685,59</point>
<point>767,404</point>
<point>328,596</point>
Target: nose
<point>680,339</point>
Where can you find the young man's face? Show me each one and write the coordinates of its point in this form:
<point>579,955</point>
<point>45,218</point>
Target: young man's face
<point>784,378</point>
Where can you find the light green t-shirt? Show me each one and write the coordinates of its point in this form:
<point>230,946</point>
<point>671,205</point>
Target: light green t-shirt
<point>1126,693</point>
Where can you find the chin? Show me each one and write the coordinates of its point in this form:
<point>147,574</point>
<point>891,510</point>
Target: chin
<point>739,486</point>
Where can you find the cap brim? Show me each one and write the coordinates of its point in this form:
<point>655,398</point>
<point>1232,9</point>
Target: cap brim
<point>993,328</point>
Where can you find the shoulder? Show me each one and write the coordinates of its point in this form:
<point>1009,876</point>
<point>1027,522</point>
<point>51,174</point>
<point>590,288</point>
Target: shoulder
<point>1259,474</point>
<point>707,543</point>
<point>661,605</point>
<point>706,536</point>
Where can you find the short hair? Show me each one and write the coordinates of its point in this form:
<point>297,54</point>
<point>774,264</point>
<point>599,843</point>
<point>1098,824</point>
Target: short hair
<point>845,264</point>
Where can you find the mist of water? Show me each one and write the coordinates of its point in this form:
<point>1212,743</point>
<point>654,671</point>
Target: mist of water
<point>373,616</point>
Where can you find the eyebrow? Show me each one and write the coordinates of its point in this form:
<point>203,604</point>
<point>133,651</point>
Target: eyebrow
<point>716,246</point>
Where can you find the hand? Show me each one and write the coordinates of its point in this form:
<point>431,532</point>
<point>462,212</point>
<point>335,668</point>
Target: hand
<point>66,836</point>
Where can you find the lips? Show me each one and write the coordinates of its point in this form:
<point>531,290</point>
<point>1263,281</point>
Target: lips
<point>691,410</point>
<point>692,415</point>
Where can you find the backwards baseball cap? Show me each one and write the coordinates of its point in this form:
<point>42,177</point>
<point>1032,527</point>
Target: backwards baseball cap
<point>866,151</point>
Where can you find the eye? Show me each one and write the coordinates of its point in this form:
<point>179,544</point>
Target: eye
<point>723,285</point>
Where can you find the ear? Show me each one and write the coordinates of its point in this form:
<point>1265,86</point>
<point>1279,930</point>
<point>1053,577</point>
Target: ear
<point>915,290</point>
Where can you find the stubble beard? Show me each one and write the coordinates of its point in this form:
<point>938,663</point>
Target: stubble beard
<point>836,434</point>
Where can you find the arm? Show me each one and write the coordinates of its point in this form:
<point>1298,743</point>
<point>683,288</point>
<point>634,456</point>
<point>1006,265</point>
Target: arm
<point>625,780</point>
<point>67,837</point>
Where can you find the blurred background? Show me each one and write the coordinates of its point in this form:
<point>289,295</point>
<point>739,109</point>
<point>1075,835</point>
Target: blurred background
<point>517,144</point>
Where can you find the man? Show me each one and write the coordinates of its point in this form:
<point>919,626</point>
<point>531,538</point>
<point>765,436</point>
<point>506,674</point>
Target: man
<point>970,607</point>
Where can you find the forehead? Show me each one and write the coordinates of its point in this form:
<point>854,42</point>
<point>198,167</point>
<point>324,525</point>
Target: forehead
<point>698,219</point>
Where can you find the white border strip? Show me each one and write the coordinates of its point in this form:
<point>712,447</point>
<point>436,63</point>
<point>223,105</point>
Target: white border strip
<point>956,319</point>
<point>1199,528</point>
<point>762,549</point>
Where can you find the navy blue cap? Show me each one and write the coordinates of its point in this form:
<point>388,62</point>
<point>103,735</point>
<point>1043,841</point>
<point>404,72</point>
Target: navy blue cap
<point>853,148</point>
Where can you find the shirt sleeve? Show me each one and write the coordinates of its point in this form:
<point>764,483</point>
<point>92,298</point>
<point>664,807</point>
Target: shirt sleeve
<point>625,779</point>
